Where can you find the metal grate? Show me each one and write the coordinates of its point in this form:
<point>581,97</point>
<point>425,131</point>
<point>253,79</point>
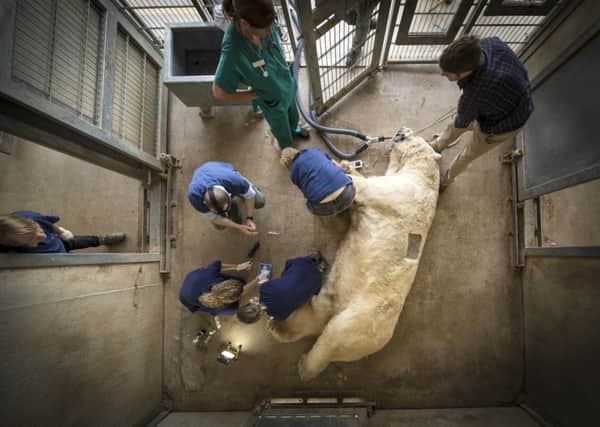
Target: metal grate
<point>434,17</point>
<point>135,96</point>
<point>333,50</point>
<point>150,16</point>
<point>58,51</point>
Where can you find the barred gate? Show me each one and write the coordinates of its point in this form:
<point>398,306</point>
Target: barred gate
<point>376,32</point>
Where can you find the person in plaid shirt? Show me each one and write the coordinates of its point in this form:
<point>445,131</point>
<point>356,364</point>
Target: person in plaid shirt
<point>495,103</point>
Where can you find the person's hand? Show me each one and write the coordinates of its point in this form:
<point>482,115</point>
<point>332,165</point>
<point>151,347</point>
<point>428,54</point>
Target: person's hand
<point>65,234</point>
<point>244,266</point>
<point>245,230</point>
<point>345,165</point>
<point>263,276</point>
<point>250,224</point>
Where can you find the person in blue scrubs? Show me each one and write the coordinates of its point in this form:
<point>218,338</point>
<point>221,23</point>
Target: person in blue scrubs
<point>279,298</point>
<point>213,191</point>
<point>251,54</point>
<point>210,290</point>
<point>325,185</point>
<point>33,232</point>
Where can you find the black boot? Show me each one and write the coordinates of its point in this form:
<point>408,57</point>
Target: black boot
<point>111,239</point>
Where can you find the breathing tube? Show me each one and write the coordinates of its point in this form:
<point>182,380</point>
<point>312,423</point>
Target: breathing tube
<point>311,116</point>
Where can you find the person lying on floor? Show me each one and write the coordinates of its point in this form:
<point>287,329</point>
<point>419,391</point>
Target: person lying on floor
<point>33,232</point>
<point>300,280</point>
<point>324,183</point>
<point>210,290</point>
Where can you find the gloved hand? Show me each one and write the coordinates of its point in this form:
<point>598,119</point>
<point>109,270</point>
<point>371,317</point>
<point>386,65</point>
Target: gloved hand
<point>65,234</point>
<point>244,266</point>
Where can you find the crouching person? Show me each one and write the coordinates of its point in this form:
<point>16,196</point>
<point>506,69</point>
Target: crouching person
<point>300,280</point>
<point>326,187</point>
<point>210,290</point>
<point>215,191</point>
<point>33,232</point>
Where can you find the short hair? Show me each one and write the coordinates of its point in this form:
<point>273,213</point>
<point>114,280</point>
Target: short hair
<point>222,294</point>
<point>14,226</point>
<point>287,156</point>
<point>463,54</point>
<point>258,13</point>
<point>221,197</point>
<point>249,313</point>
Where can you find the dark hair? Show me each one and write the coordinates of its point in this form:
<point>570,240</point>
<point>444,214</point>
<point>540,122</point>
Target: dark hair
<point>258,13</point>
<point>249,313</point>
<point>463,54</point>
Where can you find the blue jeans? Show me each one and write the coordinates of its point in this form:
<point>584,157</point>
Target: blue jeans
<point>336,206</point>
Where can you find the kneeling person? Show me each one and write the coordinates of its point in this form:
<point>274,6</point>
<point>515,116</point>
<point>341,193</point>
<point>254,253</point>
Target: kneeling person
<point>300,280</point>
<point>210,290</point>
<point>213,191</point>
<point>326,187</point>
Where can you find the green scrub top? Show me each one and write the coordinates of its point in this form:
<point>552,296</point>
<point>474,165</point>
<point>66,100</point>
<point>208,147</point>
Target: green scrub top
<point>275,92</point>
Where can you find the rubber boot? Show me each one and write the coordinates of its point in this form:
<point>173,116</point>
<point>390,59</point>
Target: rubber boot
<point>111,239</point>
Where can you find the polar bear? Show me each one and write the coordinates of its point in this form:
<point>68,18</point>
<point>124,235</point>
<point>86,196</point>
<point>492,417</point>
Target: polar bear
<point>358,307</point>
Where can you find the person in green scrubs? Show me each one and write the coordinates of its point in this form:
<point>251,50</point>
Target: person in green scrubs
<point>251,54</point>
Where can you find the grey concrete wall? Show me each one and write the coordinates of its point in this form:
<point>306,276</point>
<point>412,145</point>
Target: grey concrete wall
<point>88,198</point>
<point>81,346</point>
<point>586,15</point>
<point>562,344</point>
<point>562,296</point>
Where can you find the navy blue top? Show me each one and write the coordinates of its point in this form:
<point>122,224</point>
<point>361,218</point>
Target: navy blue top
<point>52,243</point>
<point>300,280</point>
<point>498,93</point>
<point>200,281</point>
<point>316,175</point>
<point>216,173</point>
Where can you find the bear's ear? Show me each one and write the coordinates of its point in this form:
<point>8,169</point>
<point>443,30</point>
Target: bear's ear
<point>437,157</point>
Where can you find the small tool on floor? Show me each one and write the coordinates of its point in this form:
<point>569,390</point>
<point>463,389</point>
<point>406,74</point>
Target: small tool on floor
<point>253,250</point>
<point>204,336</point>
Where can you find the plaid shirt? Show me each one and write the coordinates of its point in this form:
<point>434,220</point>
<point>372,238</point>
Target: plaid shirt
<point>498,93</point>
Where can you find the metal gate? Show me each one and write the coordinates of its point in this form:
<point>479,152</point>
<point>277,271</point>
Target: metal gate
<point>343,44</point>
<point>403,31</point>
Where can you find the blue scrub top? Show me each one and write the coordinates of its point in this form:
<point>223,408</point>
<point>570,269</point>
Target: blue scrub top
<point>52,243</point>
<point>211,174</point>
<point>300,280</point>
<point>200,281</point>
<point>316,175</point>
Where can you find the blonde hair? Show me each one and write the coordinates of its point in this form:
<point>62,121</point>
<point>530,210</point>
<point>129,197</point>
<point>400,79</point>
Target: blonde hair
<point>222,294</point>
<point>12,227</point>
<point>287,156</point>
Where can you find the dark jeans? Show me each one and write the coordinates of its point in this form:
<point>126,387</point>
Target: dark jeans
<point>81,242</point>
<point>336,206</point>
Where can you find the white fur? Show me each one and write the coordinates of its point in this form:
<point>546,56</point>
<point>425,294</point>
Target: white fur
<point>359,305</point>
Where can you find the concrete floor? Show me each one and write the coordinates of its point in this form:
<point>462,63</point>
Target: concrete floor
<point>459,340</point>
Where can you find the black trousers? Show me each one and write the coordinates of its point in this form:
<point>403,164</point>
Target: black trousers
<point>81,242</point>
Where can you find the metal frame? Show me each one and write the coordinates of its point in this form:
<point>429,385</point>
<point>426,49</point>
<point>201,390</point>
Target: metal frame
<point>11,260</point>
<point>320,21</point>
<point>581,176</point>
<point>514,8</point>
<point>404,36</point>
<point>563,251</point>
<point>26,114</point>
